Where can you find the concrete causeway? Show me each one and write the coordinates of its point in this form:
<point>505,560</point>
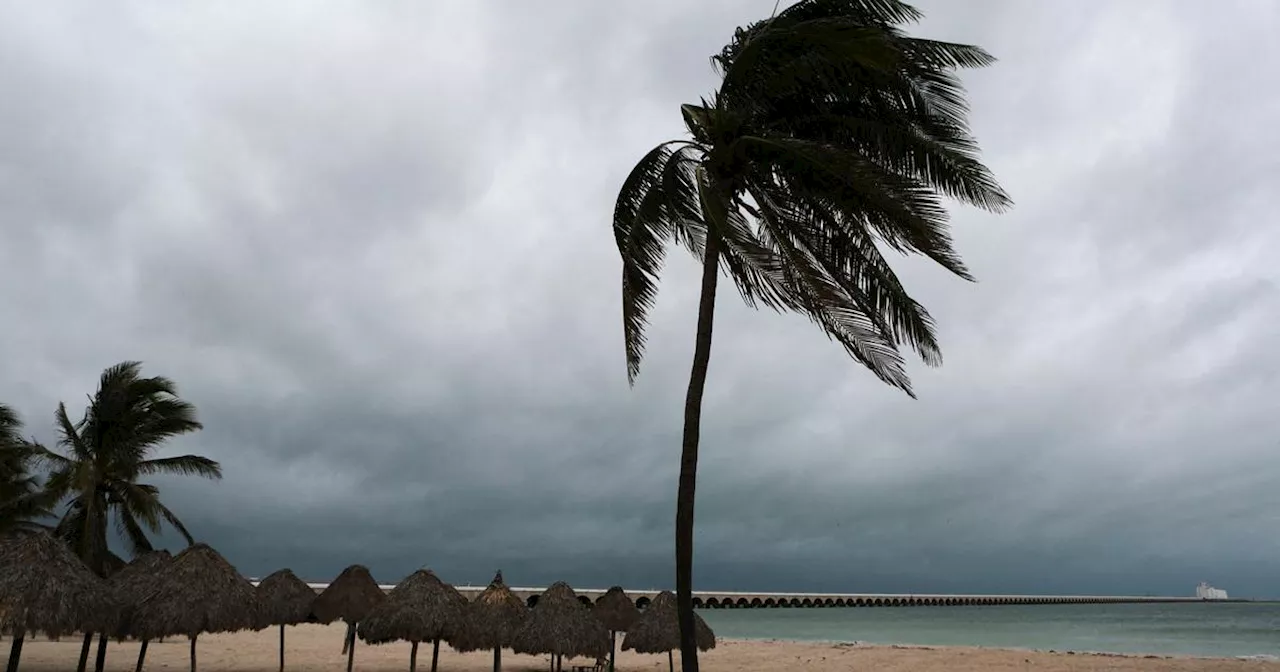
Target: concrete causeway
<point>757,600</point>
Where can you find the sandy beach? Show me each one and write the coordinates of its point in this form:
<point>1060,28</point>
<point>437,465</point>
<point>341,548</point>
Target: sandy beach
<point>315,647</point>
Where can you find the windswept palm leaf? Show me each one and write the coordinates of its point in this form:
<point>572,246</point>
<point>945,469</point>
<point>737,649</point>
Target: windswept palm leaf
<point>108,450</point>
<point>22,501</point>
<point>832,135</point>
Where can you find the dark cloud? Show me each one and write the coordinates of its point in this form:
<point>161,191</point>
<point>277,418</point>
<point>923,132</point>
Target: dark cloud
<point>373,246</point>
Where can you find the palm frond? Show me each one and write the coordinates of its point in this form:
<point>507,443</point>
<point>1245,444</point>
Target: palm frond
<point>905,213</point>
<point>184,465</point>
<point>69,433</point>
<point>139,502</point>
<point>128,527</point>
<point>172,518</point>
<point>653,207</point>
<point>832,132</point>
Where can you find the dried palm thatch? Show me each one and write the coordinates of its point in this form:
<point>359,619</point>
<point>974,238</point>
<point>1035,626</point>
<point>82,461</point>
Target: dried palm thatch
<point>561,625</point>
<point>45,588</point>
<point>491,621</point>
<point>130,585</point>
<point>421,608</point>
<point>350,597</point>
<point>658,630</point>
<point>617,612</point>
<point>113,564</point>
<point>284,599</point>
<point>196,592</point>
<point>133,583</point>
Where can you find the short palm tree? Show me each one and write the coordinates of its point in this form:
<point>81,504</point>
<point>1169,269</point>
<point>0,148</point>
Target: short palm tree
<point>106,452</point>
<point>22,501</point>
<point>832,134</point>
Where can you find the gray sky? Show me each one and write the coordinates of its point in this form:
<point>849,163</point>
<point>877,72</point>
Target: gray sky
<point>371,242</point>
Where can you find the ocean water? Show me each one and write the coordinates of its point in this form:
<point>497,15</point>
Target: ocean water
<point>1192,629</point>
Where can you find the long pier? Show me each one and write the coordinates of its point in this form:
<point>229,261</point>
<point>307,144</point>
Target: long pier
<point>756,600</point>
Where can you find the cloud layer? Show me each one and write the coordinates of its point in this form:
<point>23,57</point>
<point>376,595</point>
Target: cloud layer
<point>372,244</point>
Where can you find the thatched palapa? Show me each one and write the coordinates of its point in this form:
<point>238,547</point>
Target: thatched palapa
<point>421,608</point>
<point>133,583</point>
<point>130,585</point>
<point>284,599</point>
<point>45,588</point>
<point>492,621</point>
<point>196,592</point>
<point>113,564</point>
<point>658,629</point>
<point>561,625</point>
<point>617,612</point>
<point>349,597</point>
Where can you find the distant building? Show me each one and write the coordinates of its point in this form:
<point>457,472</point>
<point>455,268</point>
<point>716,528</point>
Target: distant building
<point>1205,591</point>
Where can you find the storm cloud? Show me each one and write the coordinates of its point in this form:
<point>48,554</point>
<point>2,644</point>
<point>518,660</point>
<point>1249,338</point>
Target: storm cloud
<point>372,243</point>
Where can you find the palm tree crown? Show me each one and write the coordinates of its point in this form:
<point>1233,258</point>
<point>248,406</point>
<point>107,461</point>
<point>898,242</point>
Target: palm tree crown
<point>22,501</point>
<point>108,450</point>
<point>831,132</point>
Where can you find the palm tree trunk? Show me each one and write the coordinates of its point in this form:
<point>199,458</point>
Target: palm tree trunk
<point>435,654</point>
<point>689,454</point>
<point>282,647</point>
<point>671,665</point>
<point>413,658</point>
<point>15,651</point>
<point>351,647</point>
<point>101,660</point>
<point>613,648</point>
<point>193,652</point>
<point>84,652</point>
<point>497,659</point>
<point>142,656</point>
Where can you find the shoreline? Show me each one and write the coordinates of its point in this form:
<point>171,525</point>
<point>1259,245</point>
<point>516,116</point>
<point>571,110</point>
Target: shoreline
<point>317,647</point>
<point>1264,657</point>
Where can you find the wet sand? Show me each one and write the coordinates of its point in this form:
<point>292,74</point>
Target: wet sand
<point>316,647</point>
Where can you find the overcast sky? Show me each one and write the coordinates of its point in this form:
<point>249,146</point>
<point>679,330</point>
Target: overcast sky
<point>372,243</point>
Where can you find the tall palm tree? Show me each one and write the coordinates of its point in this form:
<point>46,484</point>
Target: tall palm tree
<point>831,131</point>
<point>105,454</point>
<point>22,501</point>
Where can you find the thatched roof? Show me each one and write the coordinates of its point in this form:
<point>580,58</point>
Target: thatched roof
<point>421,608</point>
<point>616,610</point>
<point>560,624</point>
<point>133,583</point>
<point>350,597</point>
<point>284,599</point>
<point>658,630</point>
<point>492,619</point>
<point>113,564</point>
<point>197,591</point>
<point>45,588</point>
